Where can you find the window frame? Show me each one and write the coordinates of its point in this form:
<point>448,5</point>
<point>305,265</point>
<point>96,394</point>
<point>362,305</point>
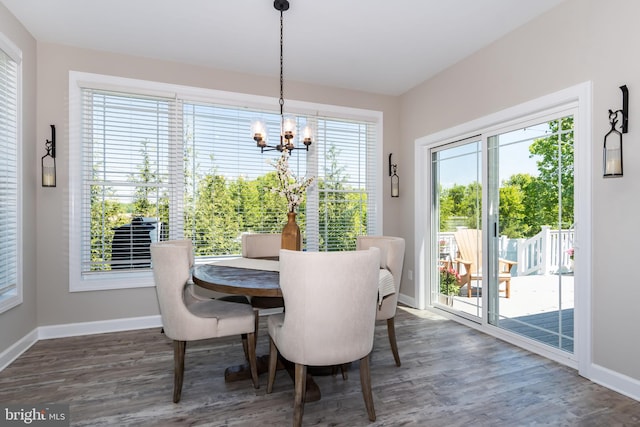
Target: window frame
<point>79,80</point>
<point>14,296</point>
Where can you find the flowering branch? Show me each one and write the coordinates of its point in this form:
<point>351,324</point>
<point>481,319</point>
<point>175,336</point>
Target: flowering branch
<point>292,188</point>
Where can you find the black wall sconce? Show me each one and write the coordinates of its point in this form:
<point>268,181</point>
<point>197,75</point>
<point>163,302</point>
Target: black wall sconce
<point>612,152</point>
<point>395,180</point>
<point>49,161</point>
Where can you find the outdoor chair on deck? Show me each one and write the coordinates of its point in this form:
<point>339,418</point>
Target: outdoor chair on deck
<point>331,300</point>
<point>186,317</point>
<point>469,243</point>
<point>392,259</point>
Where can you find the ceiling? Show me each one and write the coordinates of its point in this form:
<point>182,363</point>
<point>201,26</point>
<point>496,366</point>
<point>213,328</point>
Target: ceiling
<point>377,46</point>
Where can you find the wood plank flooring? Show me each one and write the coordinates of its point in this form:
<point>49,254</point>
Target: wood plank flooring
<point>450,376</point>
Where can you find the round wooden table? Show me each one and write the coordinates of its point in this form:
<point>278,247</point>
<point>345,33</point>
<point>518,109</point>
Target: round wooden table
<point>238,281</point>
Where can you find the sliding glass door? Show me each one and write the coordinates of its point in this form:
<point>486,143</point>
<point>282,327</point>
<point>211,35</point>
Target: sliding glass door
<point>503,209</point>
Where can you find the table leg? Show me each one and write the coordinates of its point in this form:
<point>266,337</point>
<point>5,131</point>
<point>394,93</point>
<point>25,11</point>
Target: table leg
<point>243,372</point>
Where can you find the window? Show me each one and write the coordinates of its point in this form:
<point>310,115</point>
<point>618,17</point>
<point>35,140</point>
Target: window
<point>167,164</point>
<point>10,283</point>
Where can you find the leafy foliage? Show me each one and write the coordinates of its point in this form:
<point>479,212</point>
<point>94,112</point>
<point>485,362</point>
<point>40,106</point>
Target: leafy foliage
<point>217,209</point>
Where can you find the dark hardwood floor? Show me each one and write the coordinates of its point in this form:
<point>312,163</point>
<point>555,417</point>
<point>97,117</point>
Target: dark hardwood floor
<point>450,376</point>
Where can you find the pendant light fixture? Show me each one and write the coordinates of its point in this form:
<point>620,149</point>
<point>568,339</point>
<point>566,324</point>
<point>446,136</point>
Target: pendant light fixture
<point>288,123</point>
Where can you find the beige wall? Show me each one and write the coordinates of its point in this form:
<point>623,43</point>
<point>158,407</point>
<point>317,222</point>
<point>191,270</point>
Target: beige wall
<point>55,304</point>
<point>581,40</point>
<point>21,320</point>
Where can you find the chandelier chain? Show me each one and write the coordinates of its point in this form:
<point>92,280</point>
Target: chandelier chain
<point>281,66</point>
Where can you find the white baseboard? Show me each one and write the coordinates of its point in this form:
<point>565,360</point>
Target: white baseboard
<point>410,301</point>
<point>12,353</point>
<point>615,381</point>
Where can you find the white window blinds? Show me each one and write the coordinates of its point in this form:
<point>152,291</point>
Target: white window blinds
<point>157,168</point>
<point>126,182</point>
<point>10,294</point>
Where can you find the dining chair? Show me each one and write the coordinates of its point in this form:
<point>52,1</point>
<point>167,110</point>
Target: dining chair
<point>186,317</point>
<point>392,258</point>
<point>260,246</point>
<point>331,302</point>
<point>263,245</point>
<point>190,294</point>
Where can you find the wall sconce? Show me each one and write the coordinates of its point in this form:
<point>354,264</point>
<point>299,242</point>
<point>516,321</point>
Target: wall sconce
<point>49,161</point>
<point>612,152</point>
<point>395,180</point>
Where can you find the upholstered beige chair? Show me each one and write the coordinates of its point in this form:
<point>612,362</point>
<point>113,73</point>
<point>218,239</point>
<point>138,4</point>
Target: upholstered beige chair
<point>186,317</point>
<point>391,258</point>
<point>262,245</point>
<point>190,296</point>
<point>331,302</point>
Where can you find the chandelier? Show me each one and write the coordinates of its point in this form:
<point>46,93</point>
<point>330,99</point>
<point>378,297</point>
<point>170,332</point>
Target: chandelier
<point>288,124</point>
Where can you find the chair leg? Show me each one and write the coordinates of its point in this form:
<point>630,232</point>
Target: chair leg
<point>343,370</point>
<point>273,362</point>
<point>391,329</point>
<point>301,386</point>
<point>252,359</point>
<point>244,337</point>
<point>179,348</point>
<point>245,346</point>
<point>365,382</point>
<point>508,288</point>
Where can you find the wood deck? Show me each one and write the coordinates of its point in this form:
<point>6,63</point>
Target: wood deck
<point>451,375</point>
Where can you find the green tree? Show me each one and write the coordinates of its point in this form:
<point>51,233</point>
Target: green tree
<point>556,167</point>
<point>450,202</point>
<point>342,211</point>
<point>148,202</point>
<point>512,212</point>
<point>471,205</point>
<point>106,214</point>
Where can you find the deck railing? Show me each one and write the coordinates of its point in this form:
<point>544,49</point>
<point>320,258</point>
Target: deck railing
<point>545,253</point>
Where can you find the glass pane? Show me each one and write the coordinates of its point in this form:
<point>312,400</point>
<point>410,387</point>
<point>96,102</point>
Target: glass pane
<point>535,229</point>
<point>458,210</point>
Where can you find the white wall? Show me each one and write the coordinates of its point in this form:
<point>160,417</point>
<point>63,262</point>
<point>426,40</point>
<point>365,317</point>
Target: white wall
<point>581,40</point>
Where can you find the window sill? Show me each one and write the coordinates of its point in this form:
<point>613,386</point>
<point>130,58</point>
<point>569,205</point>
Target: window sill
<point>112,281</point>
